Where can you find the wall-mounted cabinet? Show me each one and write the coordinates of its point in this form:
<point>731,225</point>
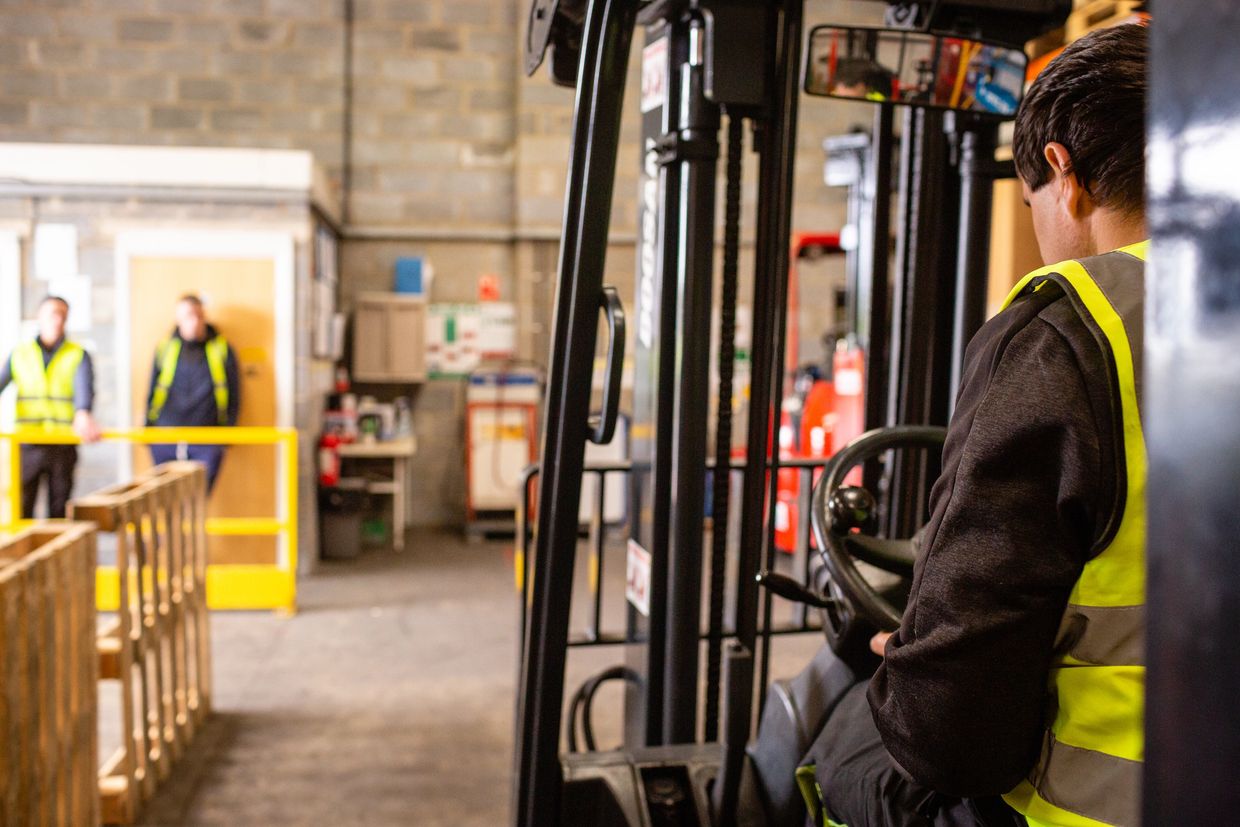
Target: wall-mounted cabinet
<point>389,338</point>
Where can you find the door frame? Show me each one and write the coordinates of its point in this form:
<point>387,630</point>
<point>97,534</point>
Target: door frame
<point>278,247</point>
<point>10,335</point>
<point>10,309</point>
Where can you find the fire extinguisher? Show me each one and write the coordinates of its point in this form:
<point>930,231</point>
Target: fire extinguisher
<point>329,460</point>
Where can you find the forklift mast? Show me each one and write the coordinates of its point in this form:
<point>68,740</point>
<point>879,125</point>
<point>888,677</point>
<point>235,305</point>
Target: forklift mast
<point>707,63</point>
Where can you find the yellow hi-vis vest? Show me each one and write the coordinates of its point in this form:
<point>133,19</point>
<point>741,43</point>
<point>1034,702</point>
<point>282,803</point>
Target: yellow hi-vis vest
<point>1089,770</point>
<point>45,395</point>
<point>168,354</point>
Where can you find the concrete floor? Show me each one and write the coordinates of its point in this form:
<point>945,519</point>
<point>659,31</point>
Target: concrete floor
<point>387,700</point>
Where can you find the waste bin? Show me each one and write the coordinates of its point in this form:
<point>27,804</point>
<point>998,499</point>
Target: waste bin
<point>341,509</point>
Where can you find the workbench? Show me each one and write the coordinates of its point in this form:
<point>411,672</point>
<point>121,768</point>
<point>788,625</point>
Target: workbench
<point>399,451</point>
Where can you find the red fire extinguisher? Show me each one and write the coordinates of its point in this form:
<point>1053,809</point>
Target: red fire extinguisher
<point>329,460</point>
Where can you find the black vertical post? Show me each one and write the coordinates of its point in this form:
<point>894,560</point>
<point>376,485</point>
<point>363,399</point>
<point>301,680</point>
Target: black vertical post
<point>583,252</point>
<point>775,140</point>
<point>721,479</point>
<point>696,148</point>
<point>654,387</point>
<point>737,674</point>
<point>976,163</point>
<point>923,307</point>
<point>906,215</point>
<point>598,537</point>
<point>877,341</point>
<point>1192,394</point>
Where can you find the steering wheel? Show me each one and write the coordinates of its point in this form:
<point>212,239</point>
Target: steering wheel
<point>845,520</point>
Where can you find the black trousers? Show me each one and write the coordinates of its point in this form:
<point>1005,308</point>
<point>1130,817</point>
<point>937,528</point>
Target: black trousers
<point>53,463</point>
<point>863,787</point>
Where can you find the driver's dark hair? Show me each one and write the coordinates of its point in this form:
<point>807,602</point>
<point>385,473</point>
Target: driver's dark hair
<point>1091,99</point>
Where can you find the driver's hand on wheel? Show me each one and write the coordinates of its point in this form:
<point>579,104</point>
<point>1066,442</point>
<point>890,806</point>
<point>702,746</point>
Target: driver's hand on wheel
<point>878,643</point>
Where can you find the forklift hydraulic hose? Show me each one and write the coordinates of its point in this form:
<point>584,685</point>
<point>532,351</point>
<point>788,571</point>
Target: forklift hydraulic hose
<point>583,701</point>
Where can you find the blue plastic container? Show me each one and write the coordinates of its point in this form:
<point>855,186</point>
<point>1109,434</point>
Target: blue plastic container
<point>409,276</point>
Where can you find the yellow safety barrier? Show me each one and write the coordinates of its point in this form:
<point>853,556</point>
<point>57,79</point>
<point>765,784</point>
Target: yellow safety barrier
<point>229,586</point>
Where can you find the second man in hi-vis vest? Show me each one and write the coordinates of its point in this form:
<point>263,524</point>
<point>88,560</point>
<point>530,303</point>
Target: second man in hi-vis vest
<point>1013,692</point>
<point>194,383</point>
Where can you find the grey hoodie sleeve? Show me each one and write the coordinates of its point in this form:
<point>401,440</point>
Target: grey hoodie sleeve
<point>1028,486</point>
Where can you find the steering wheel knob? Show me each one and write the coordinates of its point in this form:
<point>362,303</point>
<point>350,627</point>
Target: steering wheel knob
<point>851,508</point>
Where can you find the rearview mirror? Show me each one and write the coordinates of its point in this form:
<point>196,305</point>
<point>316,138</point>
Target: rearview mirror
<point>915,69</point>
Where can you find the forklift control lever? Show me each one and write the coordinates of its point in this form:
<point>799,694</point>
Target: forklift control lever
<point>789,589</point>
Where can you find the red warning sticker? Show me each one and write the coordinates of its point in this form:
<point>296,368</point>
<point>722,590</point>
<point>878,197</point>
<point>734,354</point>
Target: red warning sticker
<point>654,75</point>
<point>637,577</point>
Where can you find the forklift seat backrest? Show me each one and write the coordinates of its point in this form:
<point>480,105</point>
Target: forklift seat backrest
<point>794,712</point>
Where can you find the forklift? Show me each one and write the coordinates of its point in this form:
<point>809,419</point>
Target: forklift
<point>952,71</point>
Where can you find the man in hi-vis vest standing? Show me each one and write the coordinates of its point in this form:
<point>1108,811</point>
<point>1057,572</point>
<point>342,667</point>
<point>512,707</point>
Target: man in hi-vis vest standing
<point>194,383</point>
<point>1013,692</point>
<point>55,391</point>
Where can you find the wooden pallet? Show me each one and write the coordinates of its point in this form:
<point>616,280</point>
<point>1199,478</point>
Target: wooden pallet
<point>1087,16</point>
<point>158,647</point>
<point>48,700</point>
<point>1097,14</point>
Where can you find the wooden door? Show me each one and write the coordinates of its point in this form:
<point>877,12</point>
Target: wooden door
<point>239,297</point>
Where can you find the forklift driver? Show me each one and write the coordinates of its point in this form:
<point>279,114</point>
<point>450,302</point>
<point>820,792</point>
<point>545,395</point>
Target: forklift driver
<point>1013,691</point>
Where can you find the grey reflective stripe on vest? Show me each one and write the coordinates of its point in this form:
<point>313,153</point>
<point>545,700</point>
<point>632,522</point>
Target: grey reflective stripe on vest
<point>1103,635</point>
<point>1121,277</point>
<point>1111,784</point>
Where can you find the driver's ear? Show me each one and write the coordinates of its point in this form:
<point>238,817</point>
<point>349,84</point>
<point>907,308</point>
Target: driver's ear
<point>1074,198</point>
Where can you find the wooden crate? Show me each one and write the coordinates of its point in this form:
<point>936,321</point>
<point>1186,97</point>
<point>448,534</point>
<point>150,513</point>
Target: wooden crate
<point>1087,16</point>
<point>1097,14</point>
<point>158,647</point>
<point>1013,246</point>
<point>48,700</point>
<point>1051,41</point>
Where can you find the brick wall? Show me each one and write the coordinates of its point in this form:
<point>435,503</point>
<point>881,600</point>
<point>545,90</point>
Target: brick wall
<point>432,116</point>
<point>262,73</point>
<point>433,113</point>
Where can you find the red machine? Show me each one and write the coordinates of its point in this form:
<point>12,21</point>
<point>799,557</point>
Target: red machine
<point>832,412</point>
